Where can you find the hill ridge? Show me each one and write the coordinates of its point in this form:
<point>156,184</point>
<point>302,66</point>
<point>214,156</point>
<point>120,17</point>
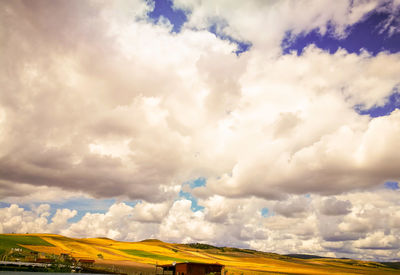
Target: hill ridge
<point>149,252</point>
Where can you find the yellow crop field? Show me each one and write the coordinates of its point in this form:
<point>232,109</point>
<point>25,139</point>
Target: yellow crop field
<point>45,249</point>
<point>147,253</point>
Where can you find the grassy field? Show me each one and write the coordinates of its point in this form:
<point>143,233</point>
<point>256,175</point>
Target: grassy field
<point>142,256</point>
<point>18,241</point>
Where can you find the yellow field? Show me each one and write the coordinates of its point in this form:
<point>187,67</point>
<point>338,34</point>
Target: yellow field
<point>146,253</point>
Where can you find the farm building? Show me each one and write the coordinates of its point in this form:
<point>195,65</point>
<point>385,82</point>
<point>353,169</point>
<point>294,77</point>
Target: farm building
<point>86,262</point>
<point>65,256</point>
<point>44,260</point>
<point>191,269</point>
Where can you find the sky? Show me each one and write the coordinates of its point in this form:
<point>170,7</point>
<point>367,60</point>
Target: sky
<point>270,125</point>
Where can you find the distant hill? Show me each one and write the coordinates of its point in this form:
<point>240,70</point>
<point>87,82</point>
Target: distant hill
<point>305,256</point>
<point>152,240</point>
<point>395,265</point>
<point>204,246</point>
<point>134,257</point>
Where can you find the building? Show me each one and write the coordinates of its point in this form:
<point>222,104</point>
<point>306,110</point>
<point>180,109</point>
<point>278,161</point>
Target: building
<point>86,262</point>
<point>45,260</point>
<point>65,256</point>
<point>191,269</point>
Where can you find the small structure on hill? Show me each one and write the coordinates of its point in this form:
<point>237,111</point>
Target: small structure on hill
<point>65,256</point>
<point>86,262</point>
<point>191,269</point>
<point>45,260</point>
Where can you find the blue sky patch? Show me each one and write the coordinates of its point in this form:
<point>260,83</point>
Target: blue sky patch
<point>86,204</point>
<point>265,212</point>
<point>197,183</point>
<point>177,17</point>
<point>392,185</point>
<point>164,8</point>
<point>83,206</point>
<point>369,34</point>
<point>25,206</point>
<point>195,206</point>
<point>132,203</point>
<point>242,46</point>
<point>392,104</point>
<point>4,204</point>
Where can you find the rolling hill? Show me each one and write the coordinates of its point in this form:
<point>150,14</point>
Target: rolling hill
<point>142,256</point>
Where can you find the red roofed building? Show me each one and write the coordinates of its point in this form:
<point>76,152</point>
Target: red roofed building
<point>192,269</point>
<point>45,260</point>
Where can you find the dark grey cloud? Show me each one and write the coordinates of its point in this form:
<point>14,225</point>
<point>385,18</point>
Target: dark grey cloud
<point>333,207</point>
<point>62,85</point>
<point>292,208</point>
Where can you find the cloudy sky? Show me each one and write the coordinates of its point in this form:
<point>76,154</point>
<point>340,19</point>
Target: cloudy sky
<point>273,125</point>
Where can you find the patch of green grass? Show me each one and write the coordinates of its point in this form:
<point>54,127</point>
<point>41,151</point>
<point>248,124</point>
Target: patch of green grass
<point>145,254</point>
<point>13,241</point>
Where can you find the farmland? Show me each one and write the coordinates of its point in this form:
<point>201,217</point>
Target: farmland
<point>142,256</point>
<point>11,241</point>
